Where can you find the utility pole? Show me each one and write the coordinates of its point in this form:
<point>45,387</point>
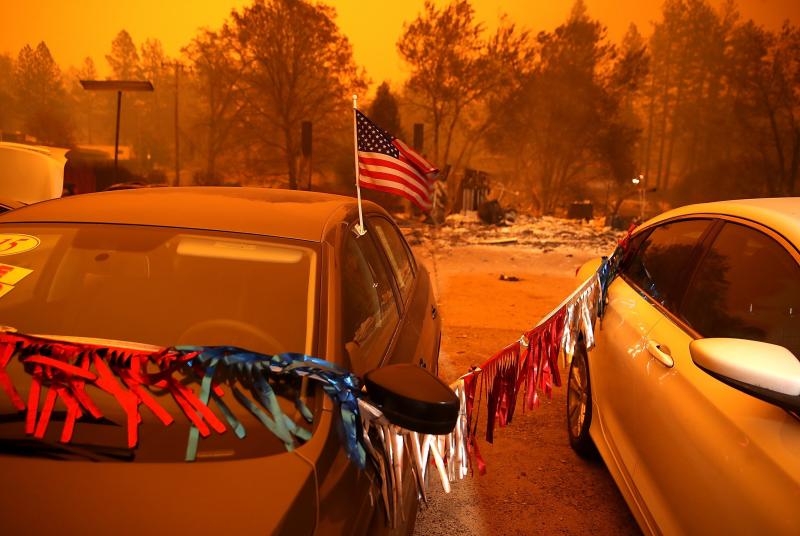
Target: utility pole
<point>178,66</point>
<point>306,145</point>
<point>116,136</point>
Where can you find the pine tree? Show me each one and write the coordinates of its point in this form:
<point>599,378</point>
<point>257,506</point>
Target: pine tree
<point>385,112</point>
<point>41,97</point>
<point>124,59</point>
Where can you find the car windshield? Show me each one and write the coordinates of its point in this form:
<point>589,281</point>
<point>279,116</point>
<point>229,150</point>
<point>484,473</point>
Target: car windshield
<point>158,286</point>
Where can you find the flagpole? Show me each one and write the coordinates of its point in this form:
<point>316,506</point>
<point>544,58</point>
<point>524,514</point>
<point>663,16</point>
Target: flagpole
<point>360,228</point>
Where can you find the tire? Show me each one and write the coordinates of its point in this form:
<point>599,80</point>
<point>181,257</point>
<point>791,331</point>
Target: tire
<point>579,404</point>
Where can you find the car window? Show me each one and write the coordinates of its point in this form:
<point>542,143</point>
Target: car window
<point>370,314</point>
<point>746,287</point>
<point>658,265</point>
<point>162,286</point>
<point>394,245</point>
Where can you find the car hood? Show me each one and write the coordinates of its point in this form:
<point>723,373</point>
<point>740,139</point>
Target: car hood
<point>271,495</point>
<point>31,174</point>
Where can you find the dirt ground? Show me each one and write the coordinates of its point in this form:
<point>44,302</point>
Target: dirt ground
<point>535,484</point>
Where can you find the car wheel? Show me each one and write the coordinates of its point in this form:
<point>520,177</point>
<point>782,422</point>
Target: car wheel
<point>579,404</point>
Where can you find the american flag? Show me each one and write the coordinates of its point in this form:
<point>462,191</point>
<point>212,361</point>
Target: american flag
<point>387,164</point>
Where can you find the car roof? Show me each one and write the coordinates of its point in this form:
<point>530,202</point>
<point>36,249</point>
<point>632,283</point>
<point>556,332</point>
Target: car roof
<point>782,214</point>
<point>264,211</point>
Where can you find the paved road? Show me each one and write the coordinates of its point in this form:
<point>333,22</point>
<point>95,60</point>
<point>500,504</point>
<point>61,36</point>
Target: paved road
<point>535,483</point>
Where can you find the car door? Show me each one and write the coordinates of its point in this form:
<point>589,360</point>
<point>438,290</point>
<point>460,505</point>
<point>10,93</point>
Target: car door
<point>370,317</point>
<point>634,307</point>
<point>418,339</point>
<point>370,309</point>
<point>715,460</point>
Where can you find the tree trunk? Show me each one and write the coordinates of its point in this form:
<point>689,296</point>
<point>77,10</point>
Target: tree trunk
<point>673,133</point>
<point>650,117</point>
<point>777,141</point>
<point>664,114</point>
<point>795,165</point>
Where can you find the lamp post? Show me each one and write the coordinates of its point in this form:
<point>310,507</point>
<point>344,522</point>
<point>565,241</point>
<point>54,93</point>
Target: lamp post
<point>119,86</point>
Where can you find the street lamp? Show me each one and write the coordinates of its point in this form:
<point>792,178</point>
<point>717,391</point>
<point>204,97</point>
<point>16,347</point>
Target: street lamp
<point>119,86</point>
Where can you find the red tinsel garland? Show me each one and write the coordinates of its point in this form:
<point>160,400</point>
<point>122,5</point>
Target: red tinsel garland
<point>62,370</point>
<point>531,364</point>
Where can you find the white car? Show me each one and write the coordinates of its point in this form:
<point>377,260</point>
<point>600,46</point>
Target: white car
<point>692,393</point>
<point>30,173</point>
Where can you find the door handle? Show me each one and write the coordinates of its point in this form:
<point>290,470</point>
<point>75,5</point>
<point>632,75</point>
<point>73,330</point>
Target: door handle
<point>661,353</point>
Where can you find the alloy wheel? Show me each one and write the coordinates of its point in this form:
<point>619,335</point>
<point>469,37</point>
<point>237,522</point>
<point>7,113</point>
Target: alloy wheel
<point>577,395</point>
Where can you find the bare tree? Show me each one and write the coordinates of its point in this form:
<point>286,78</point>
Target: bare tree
<point>300,68</point>
<point>218,68</point>
<point>456,71</point>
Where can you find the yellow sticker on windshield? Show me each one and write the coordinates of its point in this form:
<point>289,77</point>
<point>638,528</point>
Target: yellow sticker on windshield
<point>11,275</point>
<point>11,244</point>
<point>5,289</point>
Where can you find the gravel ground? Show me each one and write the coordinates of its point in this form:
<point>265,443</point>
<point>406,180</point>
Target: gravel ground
<point>535,484</point>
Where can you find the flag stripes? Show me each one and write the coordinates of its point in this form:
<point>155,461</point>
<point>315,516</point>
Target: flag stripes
<point>389,165</point>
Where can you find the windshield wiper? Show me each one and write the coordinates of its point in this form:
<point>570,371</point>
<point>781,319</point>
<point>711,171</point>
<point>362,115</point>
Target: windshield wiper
<point>31,448</point>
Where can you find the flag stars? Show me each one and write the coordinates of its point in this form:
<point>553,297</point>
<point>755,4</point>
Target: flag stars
<point>373,139</point>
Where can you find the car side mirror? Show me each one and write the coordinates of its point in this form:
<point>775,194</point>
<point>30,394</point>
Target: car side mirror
<point>413,398</point>
<point>766,371</point>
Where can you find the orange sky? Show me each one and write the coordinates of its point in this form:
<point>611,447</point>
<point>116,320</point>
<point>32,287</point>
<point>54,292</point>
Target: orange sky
<point>79,28</point>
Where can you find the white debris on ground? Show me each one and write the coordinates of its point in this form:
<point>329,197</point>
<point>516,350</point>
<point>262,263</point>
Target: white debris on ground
<point>543,234</point>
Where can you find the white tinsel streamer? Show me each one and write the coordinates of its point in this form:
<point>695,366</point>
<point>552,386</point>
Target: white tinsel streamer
<point>581,316</point>
<point>449,453</point>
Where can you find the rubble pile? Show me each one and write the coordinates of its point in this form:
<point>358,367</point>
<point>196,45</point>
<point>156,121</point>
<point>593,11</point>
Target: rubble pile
<point>543,234</point>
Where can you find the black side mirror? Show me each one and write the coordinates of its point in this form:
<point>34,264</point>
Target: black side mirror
<point>413,398</point>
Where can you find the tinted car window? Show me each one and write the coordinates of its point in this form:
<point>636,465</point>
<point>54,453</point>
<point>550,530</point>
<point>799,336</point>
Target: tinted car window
<point>746,287</point>
<point>658,265</point>
<point>396,251</point>
<point>369,314</point>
